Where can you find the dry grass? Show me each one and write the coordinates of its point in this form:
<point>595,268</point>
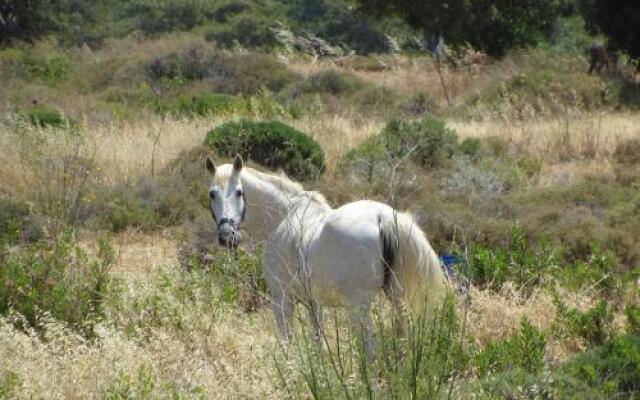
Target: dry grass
<point>222,353</point>
<point>570,147</point>
<point>401,74</point>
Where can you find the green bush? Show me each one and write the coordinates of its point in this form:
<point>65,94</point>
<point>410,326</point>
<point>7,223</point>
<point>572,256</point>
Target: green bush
<point>596,271</point>
<point>427,142</point>
<point>153,202</point>
<point>202,105</point>
<point>594,325</point>
<point>58,278</point>
<point>524,350</point>
<point>470,147</point>
<point>333,82</point>
<point>632,312</point>
<point>18,223</point>
<point>44,116</point>
<point>121,213</point>
<point>521,262</point>
<point>272,144</point>
<point>51,67</point>
<point>613,368</point>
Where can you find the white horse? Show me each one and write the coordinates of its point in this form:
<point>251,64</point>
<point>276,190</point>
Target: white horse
<point>324,256</point>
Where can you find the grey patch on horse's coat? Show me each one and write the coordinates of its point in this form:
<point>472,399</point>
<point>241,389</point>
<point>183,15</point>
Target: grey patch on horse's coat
<point>388,254</point>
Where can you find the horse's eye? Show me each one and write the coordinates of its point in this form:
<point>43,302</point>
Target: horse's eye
<point>212,194</point>
<point>239,193</point>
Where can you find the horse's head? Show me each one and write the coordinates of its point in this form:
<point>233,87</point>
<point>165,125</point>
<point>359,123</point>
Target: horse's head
<point>227,201</point>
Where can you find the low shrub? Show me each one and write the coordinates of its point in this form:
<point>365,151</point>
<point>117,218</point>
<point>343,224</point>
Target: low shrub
<point>246,74</point>
<point>419,105</point>
<point>627,162</point>
<point>272,144</point>
<point>597,270</point>
<point>46,65</point>
<point>613,368</point>
<point>525,263</point>
<point>152,202</point>
<point>470,147</point>
<point>58,278</point>
<point>595,325</point>
<point>427,142</point>
<point>251,74</point>
<point>43,116</point>
<point>632,312</point>
<point>525,351</point>
<point>18,222</point>
<point>333,82</point>
<point>580,217</point>
<point>202,105</point>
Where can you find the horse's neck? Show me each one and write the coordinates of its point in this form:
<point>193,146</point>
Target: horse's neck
<point>267,206</point>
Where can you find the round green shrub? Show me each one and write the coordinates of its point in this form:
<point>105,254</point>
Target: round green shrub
<point>272,144</point>
<point>426,142</point>
<point>44,116</point>
<point>18,222</point>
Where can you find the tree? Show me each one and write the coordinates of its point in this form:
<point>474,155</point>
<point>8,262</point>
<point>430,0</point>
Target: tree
<point>619,20</point>
<point>24,19</point>
<point>492,26</point>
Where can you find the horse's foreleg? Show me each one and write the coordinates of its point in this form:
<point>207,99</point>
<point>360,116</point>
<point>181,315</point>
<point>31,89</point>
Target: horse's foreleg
<point>282,307</point>
<point>360,321</point>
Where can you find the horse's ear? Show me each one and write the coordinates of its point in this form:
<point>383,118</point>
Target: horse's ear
<point>237,163</point>
<point>211,166</point>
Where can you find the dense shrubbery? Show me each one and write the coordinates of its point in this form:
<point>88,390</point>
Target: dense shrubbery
<point>227,73</point>
<point>426,142</point>
<point>18,222</point>
<point>202,105</point>
<point>521,262</point>
<point>333,82</point>
<point>594,325</point>
<point>612,368</point>
<point>58,278</point>
<point>272,144</point>
<point>525,351</point>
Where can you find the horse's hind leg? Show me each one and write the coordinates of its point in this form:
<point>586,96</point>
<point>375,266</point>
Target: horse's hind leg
<point>360,321</point>
<point>401,316</point>
<point>315,314</point>
<point>282,306</point>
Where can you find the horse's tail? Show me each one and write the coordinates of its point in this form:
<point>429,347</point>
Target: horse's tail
<point>409,262</point>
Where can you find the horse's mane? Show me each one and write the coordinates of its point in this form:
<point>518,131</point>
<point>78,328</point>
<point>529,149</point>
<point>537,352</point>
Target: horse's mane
<point>280,181</point>
<point>285,184</point>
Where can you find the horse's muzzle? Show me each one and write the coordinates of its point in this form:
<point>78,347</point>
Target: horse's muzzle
<point>229,236</point>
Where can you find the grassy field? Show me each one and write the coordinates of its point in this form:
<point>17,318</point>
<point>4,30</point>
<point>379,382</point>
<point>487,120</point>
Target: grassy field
<point>538,195</point>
